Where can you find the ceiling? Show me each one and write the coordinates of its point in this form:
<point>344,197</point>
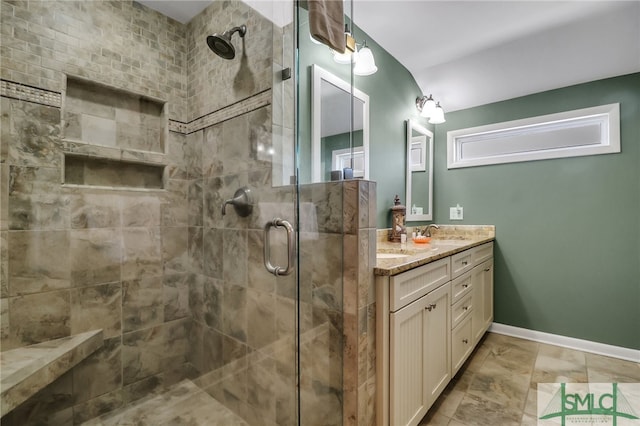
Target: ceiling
<point>470,53</point>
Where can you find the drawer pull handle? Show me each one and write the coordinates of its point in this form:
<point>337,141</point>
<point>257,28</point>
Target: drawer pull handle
<point>465,308</point>
<point>430,307</point>
<point>465,341</point>
<point>464,263</point>
<point>465,285</point>
<point>487,270</point>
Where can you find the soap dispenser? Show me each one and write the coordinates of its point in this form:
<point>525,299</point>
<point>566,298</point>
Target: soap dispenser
<point>398,213</point>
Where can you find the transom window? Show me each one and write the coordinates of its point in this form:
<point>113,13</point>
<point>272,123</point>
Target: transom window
<point>588,131</point>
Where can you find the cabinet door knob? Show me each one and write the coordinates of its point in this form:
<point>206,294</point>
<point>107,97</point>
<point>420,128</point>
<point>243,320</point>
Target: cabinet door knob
<point>465,341</point>
<point>466,308</point>
<point>430,307</point>
<point>465,285</point>
<point>487,270</point>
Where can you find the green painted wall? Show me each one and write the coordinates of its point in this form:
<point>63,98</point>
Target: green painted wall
<point>567,257</point>
<point>392,93</point>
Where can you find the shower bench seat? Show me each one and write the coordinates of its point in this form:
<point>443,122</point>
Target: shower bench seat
<point>24,371</point>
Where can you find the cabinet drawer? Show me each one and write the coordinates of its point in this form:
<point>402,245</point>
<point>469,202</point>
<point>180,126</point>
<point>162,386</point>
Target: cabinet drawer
<point>461,345</point>
<point>482,253</point>
<point>461,263</point>
<point>413,284</point>
<point>460,286</point>
<point>461,310</point>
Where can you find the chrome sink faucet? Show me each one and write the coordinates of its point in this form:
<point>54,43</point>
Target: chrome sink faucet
<point>427,230</point>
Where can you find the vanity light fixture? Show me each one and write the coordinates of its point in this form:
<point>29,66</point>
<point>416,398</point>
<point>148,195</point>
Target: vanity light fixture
<point>362,58</point>
<point>428,108</point>
<point>365,64</point>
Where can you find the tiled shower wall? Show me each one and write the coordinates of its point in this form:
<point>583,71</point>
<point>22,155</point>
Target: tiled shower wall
<point>179,290</point>
<point>117,43</point>
<point>76,259</point>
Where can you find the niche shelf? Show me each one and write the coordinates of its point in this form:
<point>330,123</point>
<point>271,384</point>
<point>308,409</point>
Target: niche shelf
<point>100,115</point>
<point>92,171</point>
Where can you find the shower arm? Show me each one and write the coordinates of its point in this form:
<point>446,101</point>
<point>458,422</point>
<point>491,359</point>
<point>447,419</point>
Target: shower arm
<point>242,29</point>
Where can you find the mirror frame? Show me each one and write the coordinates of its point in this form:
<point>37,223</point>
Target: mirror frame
<point>412,125</point>
<point>319,74</point>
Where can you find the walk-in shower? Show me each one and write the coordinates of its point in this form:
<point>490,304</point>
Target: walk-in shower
<point>221,43</point>
<point>115,161</point>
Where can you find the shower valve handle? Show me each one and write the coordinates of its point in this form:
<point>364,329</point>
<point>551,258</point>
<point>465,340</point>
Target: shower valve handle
<point>242,202</point>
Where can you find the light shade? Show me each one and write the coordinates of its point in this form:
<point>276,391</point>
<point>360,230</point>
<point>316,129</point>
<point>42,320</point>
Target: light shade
<point>344,58</point>
<point>438,115</point>
<point>426,106</point>
<point>365,64</point>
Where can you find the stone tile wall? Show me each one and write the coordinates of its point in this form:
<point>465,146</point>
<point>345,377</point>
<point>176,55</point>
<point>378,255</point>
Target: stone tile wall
<point>359,354</point>
<point>230,80</point>
<point>77,259</point>
<point>337,248</point>
<point>121,44</point>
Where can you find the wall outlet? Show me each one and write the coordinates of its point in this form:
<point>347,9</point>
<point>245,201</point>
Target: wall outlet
<point>455,213</point>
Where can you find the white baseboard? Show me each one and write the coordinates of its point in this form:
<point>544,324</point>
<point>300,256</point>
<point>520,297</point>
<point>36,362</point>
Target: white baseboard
<point>567,342</point>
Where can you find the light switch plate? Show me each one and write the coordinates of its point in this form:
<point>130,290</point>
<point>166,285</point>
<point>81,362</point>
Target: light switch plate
<point>456,213</point>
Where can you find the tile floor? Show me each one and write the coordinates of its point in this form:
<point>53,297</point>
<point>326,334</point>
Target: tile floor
<point>497,385</point>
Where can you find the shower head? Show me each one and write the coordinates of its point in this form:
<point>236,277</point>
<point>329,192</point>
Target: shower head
<point>221,43</point>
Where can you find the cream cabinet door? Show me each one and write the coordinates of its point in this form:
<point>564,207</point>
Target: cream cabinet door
<point>482,289</point>
<point>438,342</point>
<point>408,391</point>
<point>420,357</point>
<point>487,301</point>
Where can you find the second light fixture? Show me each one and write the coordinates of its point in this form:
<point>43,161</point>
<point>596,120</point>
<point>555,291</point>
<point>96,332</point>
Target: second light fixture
<point>430,109</point>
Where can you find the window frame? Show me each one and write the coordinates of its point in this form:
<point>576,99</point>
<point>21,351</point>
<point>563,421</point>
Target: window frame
<point>607,116</point>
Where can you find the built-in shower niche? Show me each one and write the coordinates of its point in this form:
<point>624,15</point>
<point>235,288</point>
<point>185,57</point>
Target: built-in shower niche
<point>95,114</point>
<point>92,171</point>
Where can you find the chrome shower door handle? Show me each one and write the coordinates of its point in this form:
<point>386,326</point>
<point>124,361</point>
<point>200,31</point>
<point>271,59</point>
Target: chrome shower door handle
<point>278,270</point>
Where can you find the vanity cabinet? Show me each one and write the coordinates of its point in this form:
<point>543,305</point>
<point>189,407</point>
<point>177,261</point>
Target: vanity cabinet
<point>429,319</point>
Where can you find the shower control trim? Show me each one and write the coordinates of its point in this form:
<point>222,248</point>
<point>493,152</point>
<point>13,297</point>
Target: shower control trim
<point>242,202</point>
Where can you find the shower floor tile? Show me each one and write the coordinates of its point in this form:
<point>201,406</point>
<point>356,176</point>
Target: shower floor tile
<point>182,404</point>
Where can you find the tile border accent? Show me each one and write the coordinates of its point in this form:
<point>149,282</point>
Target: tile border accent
<point>234,110</point>
<point>567,342</point>
<point>28,93</point>
<point>178,126</point>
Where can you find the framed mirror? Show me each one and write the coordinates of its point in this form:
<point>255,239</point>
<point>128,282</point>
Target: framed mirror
<point>336,142</point>
<point>419,168</point>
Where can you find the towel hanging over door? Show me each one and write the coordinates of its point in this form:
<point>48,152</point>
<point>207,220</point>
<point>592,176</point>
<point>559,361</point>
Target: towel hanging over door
<point>326,23</point>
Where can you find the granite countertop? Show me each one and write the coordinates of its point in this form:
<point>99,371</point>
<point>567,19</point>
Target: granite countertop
<point>445,242</point>
<point>27,370</point>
